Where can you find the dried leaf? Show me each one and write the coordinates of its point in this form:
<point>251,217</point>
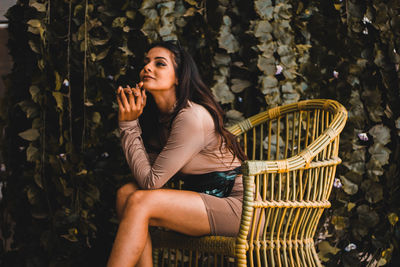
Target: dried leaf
<point>380,133</point>
<point>393,218</point>
<point>34,47</point>
<point>30,134</point>
<point>35,93</point>
<point>325,249</point>
<point>38,6</point>
<point>379,153</point>
<point>96,118</point>
<point>59,97</point>
<point>34,23</point>
<point>368,216</point>
<point>234,117</point>
<point>349,187</point>
<point>31,153</point>
<point>222,59</point>
<point>239,85</point>
<point>222,93</point>
<point>264,9</point>
<point>374,194</point>
<point>119,22</point>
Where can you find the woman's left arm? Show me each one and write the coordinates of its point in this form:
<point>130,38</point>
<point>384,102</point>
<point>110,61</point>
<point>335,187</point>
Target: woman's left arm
<point>185,141</point>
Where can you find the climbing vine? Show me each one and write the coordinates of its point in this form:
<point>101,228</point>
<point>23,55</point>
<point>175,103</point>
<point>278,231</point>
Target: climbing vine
<point>61,160</point>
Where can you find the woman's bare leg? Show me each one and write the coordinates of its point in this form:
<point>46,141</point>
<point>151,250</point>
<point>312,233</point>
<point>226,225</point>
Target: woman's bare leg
<point>178,210</point>
<point>146,259</point>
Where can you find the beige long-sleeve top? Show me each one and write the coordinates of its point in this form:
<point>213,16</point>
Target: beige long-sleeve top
<point>193,147</point>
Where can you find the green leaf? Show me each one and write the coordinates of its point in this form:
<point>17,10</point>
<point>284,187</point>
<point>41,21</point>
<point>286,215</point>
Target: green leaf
<point>30,134</point>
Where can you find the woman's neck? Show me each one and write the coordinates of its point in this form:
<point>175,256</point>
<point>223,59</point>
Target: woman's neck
<point>165,100</point>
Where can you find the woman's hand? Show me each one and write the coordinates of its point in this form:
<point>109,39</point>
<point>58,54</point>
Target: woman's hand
<point>131,102</point>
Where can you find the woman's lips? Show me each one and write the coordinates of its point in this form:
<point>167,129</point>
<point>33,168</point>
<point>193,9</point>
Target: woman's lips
<point>147,77</point>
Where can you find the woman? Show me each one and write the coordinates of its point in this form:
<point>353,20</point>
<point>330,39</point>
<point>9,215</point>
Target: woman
<point>182,134</point>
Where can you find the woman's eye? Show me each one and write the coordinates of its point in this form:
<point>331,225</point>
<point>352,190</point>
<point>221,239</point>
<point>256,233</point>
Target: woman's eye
<point>160,64</point>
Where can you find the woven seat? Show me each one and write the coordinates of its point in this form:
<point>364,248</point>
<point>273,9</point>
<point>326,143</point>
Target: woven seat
<point>293,154</point>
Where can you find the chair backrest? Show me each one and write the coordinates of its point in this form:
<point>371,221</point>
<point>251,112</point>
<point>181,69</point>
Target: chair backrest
<point>293,154</point>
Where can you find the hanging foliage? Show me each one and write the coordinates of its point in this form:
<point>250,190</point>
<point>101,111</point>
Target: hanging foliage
<point>61,160</point>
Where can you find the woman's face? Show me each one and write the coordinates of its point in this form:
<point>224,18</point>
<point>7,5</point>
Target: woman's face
<point>158,74</point>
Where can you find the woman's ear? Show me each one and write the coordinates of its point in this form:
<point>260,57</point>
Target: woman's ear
<point>176,81</point>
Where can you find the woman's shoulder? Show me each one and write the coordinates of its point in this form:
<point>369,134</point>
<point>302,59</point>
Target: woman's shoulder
<point>195,113</point>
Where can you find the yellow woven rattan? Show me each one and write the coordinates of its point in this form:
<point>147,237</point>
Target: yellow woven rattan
<point>293,154</point>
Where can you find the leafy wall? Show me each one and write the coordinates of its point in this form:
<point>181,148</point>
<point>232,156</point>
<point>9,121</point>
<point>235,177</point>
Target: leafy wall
<point>61,159</point>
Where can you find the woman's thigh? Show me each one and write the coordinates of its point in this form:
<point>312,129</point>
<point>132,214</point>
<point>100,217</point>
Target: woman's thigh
<point>177,210</point>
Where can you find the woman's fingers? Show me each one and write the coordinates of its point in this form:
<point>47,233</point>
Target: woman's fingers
<point>139,100</point>
<point>120,105</point>
<point>124,99</point>
<point>132,102</point>
<point>144,96</point>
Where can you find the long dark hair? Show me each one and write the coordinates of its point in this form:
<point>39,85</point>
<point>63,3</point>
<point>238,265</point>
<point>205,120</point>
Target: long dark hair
<point>190,88</point>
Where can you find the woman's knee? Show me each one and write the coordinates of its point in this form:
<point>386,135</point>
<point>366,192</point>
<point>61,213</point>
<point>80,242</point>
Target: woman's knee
<point>125,191</point>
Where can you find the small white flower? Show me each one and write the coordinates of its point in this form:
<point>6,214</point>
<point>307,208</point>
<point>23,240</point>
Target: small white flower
<point>110,77</point>
<point>350,247</point>
<point>21,148</point>
<point>240,99</point>
<point>366,20</point>
<point>63,157</point>
<point>365,31</point>
<point>2,167</point>
<point>363,136</point>
<point>337,183</point>
<point>335,74</point>
<point>66,83</point>
<point>279,69</point>
<point>105,155</point>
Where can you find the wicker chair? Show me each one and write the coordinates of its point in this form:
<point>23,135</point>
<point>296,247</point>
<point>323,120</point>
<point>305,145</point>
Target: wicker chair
<point>293,154</point>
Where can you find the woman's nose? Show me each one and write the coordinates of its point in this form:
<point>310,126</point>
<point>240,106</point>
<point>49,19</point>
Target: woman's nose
<point>147,67</point>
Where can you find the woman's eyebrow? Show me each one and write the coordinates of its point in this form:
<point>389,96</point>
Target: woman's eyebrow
<point>161,58</point>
